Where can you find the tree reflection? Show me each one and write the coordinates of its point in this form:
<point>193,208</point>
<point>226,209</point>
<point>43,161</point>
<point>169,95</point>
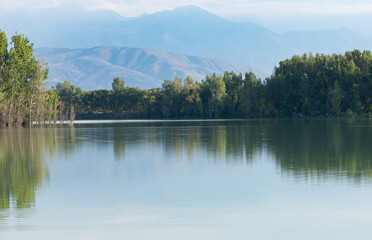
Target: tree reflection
<point>318,148</point>
<point>302,148</point>
<point>22,152</point>
<point>22,161</point>
<point>231,141</point>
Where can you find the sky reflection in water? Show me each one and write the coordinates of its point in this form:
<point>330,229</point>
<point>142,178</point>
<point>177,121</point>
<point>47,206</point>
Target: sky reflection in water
<point>265,179</point>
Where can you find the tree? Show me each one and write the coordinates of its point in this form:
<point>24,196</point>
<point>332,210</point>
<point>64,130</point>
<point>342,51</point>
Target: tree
<point>71,98</point>
<point>217,90</point>
<point>176,96</point>
<point>118,84</point>
<point>52,106</point>
<point>3,68</point>
<point>336,98</point>
<point>167,101</point>
<point>249,94</point>
<point>234,85</point>
<point>192,100</point>
<point>22,78</point>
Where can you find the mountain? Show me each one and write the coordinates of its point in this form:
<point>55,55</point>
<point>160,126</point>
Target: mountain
<point>95,68</point>
<point>67,25</point>
<point>189,30</point>
<point>359,22</point>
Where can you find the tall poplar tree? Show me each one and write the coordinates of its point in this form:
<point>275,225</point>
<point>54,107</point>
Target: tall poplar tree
<point>22,78</point>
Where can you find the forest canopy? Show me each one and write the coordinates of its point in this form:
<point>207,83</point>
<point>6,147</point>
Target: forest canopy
<point>303,86</point>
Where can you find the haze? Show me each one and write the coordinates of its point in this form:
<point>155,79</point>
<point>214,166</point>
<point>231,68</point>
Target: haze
<point>277,15</point>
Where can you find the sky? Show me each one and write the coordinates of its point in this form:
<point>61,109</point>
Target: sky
<point>276,15</point>
<point>258,8</point>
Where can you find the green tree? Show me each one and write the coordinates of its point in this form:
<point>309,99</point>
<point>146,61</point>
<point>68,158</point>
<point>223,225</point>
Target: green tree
<point>118,87</point>
<point>71,98</point>
<point>336,98</point>
<point>234,86</point>
<point>250,98</point>
<point>52,106</point>
<point>176,96</point>
<point>3,68</point>
<point>22,78</point>
<point>118,84</point>
<point>217,91</point>
<point>192,102</point>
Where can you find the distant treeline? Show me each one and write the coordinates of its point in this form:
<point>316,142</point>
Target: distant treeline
<point>307,85</point>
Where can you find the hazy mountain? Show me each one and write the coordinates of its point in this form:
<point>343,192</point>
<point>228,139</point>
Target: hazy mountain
<point>65,26</point>
<point>359,22</point>
<point>188,30</point>
<point>96,68</point>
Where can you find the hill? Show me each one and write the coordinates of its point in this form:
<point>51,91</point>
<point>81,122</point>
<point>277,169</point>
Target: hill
<point>95,68</point>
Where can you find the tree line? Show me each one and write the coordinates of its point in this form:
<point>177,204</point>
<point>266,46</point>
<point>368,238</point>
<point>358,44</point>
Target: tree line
<point>303,86</point>
<point>306,85</point>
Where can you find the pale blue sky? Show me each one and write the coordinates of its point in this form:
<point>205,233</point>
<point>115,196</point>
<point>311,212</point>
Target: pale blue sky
<point>262,8</point>
<point>277,15</point>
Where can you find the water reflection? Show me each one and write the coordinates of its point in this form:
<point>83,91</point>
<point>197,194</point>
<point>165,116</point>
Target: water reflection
<point>22,170</point>
<point>230,141</point>
<point>305,148</point>
<point>300,148</point>
<point>319,148</point>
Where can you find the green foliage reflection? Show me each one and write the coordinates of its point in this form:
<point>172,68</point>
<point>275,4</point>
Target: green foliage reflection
<point>22,161</point>
<point>337,149</point>
<point>304,148</point>
<point>318,148</point>
<point>22,153</point>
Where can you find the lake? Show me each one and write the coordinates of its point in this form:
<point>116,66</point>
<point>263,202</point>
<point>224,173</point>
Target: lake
<point>224,179</point>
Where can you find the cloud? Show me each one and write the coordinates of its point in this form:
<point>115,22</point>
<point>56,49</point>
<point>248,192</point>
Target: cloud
<point>239,7</point>
<point>264,8</point>
<point>277,8</point>
<point>6,4</point>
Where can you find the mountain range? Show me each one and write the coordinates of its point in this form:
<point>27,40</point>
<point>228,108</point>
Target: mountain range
<point>188,30</point>
<point>95,68</point>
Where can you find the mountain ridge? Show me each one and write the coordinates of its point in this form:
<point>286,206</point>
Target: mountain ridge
<point>188,30</point>
<point>95,68</point>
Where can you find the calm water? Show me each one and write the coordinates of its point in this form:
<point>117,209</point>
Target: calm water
<point>258,179</point>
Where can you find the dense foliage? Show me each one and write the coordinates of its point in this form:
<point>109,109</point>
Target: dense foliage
<point>23,97</point>
<point>307,85</point>
<point>323,84</point>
